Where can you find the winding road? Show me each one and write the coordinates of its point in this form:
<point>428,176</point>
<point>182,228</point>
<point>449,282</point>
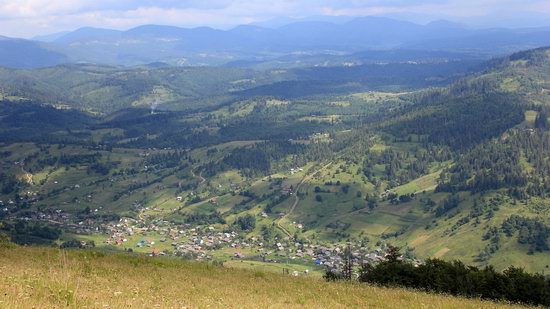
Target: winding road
<point>203,180</point>
<point>297,198</point>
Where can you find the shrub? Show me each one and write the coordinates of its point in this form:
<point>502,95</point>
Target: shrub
<point>5,241</point>
<point>246,222</point>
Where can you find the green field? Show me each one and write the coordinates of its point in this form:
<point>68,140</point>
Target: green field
<point>52,278</point>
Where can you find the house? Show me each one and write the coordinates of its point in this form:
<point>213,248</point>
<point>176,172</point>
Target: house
<point>286,190</point>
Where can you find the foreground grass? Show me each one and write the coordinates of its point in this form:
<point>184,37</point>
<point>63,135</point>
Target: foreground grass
<point>50,278</point>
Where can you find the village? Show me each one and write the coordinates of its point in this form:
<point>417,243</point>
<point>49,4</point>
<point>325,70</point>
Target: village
<point>157,237</point>
<point>201,243</point>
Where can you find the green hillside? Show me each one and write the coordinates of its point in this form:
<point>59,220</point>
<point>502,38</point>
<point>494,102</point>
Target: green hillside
<point>106,89</point>
<point>227,169</point>
<point>54,278</point>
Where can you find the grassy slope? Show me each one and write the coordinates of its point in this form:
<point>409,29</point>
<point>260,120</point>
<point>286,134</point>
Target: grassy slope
<point>43,277</point>
<point>465,243</point>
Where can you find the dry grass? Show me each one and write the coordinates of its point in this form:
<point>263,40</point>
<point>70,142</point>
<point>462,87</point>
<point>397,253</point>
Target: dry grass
<point>51,278</point>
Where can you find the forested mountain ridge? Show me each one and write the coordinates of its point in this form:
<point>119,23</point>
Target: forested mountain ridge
<point>497,121</point>
<point>205,45</point>
<point>106,89</point>
<point>24,54</point>
<point>483,105</point>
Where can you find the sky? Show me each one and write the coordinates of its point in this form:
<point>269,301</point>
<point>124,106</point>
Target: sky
<point>27,18</point>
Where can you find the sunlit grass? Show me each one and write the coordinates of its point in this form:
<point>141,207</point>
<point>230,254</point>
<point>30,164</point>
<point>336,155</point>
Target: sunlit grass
<point>49,278</point>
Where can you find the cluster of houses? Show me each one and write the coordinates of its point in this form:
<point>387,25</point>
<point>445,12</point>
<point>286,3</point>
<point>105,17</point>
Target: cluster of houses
<point>200,242</point>
<point>56,217</point>
<point>118,233</point>
<point>162,237</point>
<point>286,190</point>
<point>184,239</point>
<point>319,136</point>
<point>4,207</point>
<point>61,219</point>
<point>333,257</point>
<point>296,170</point>
<point>29,196</point>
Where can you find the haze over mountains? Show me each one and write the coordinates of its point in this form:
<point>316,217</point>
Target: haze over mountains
<point>208,46</point>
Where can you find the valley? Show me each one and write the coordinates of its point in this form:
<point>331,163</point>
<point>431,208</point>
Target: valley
<point>267,170</point>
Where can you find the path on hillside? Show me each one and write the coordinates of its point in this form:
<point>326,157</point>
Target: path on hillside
<point>28,176</point>
<point>140,216</point>
<point>203,180</point>
<point>297,198</point>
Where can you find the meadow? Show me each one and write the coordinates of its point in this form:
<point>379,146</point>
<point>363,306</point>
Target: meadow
<point>51,278</point>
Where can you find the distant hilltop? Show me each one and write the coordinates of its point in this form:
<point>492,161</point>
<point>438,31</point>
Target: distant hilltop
<point>208,46</point>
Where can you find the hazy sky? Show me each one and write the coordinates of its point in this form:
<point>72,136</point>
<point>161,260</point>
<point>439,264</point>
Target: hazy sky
<point>25,18</point>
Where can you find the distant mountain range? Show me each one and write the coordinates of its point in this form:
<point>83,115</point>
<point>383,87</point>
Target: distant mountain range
<point>207,46</point>
<point>24,54</point>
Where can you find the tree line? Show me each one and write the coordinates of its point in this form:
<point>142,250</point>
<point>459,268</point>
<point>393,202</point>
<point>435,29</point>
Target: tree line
<point>454,278</point>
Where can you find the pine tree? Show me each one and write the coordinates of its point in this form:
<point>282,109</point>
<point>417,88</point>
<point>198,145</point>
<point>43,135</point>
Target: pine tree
<point>348,263</point>
<point>541,122</point>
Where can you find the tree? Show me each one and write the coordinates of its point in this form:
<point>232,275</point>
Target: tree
<point>9,183</point>
<point>456,278</point>
<point>5,241</point>
<point>246,222</point>
<point>393,254</point>
<point>541,122</point>
<point>348,263</point>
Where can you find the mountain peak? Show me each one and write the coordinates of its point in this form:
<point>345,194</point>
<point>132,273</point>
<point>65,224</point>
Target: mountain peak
<point>87,33</point>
